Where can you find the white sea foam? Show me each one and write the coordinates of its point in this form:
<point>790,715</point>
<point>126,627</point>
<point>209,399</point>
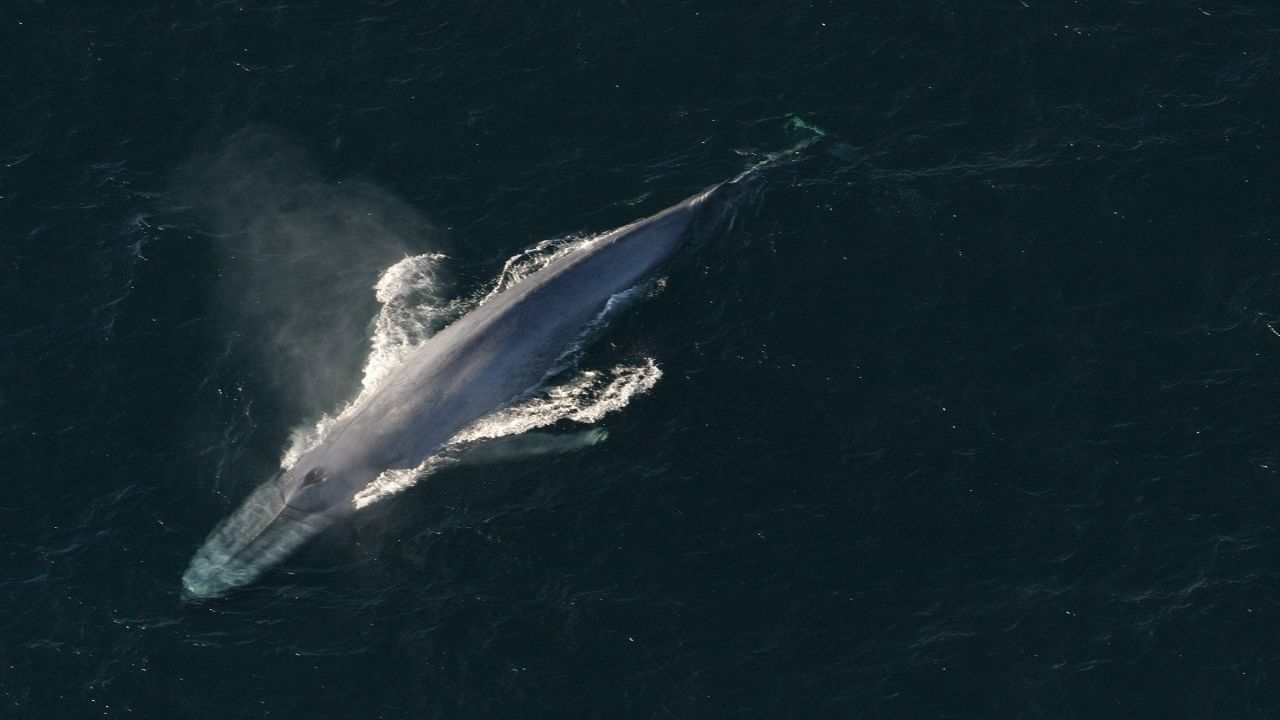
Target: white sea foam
<point>586,398</point>
<point>413,310</point>
<point>526,262</point>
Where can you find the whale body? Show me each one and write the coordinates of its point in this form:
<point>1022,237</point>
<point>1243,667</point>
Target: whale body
<point>482,363</point>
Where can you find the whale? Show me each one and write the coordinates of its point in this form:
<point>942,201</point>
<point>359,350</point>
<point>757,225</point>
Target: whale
<point>495,355</point>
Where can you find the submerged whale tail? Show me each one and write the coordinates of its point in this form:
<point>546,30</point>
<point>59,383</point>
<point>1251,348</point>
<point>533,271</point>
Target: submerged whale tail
<point>817,141</point>
<point>810,142</point>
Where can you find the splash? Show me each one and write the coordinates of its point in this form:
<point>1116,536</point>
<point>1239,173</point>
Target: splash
<point>411,311</point>
<point>296,253</point>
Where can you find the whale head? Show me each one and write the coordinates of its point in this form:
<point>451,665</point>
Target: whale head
<point>281,515</point>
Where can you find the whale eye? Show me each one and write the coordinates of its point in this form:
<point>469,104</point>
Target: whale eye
<point>315,477</point>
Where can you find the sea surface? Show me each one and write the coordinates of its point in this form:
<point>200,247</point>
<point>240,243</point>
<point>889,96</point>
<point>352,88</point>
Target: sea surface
<point>976,418</point>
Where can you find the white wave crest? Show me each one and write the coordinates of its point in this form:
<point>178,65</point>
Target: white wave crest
<point>527,262</point>
<point>391,482</point>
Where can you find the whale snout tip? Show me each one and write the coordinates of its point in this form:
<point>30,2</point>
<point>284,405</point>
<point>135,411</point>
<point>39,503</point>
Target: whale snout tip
<point>194,590</point>
<point>205,581</point>
<point>256,537</point>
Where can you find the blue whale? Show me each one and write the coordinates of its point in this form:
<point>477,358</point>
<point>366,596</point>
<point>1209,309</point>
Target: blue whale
<point>482,363</point>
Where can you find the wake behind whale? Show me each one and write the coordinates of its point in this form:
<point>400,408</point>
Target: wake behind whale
<point>465,383</point>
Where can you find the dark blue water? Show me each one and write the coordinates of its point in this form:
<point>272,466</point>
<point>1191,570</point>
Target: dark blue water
<point>980,421</point>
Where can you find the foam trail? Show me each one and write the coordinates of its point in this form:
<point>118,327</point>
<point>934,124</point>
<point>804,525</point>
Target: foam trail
<point>586,398</point>
<point>530,444</point>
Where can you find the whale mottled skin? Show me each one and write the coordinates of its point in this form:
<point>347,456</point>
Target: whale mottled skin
<point>481,363</point>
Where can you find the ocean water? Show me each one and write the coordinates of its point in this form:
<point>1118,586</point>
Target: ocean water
<point>977,420</point>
